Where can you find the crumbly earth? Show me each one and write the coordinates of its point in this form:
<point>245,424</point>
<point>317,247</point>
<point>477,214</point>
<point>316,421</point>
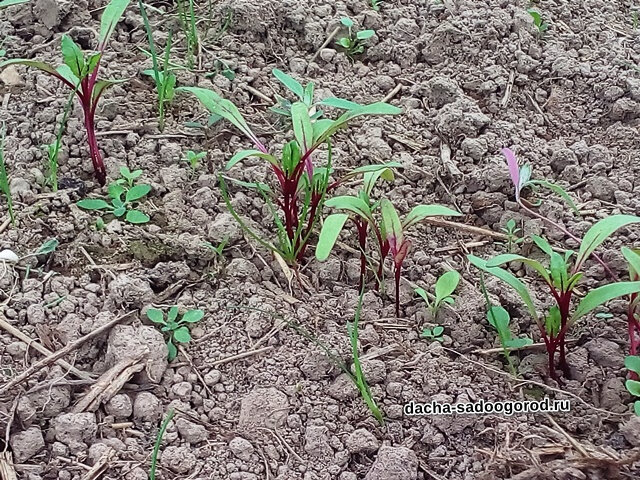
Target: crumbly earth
<point>475,76</point>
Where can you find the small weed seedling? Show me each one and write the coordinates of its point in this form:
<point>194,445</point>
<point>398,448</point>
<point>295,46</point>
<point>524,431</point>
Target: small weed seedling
<point>162,74</point>
<point>176,330</point>
<point>434,333</point>
<point>53,149</point>
<point>376,4</point>
<point>302,186</point>
<point>220,67</point>
<point>80,73</point>
<point>187,16</point>
<point>632,363</point>
<point>193,159</point>
<point>538,21</point>
<point>219,249</point>
<point>4,178</point>
<point>513,235</point>
<point>562,277</point>
<point>122,194</point>
<point>633,310</point>
<point>354,43</point>
<point>445,286</point>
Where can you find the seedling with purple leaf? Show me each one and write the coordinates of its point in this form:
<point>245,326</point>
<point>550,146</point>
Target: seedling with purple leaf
<point>176,330</point>
<point>394,229</point>
<point>561,278</point>
<point>79,72</point>
<point>301,186</point>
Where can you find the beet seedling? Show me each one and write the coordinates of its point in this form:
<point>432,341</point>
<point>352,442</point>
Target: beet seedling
<point>445,286</point>
<point>4,178</point>
<point>163,75</point>
<point>193,159</point>
<point>513,235</point>
<point>434,333</point>
<point>301,186</point>
<point>632,363</point>
<point>176,330</point>
<point>633,310</point>
<point>562,277</point>
<point>354,43</point>
<point>538,21</point>
<point>80,73</point>
<point>122,194</point>
<point>394,229</point>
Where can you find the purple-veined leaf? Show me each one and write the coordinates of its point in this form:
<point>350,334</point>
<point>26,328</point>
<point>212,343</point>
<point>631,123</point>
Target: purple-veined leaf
<point>109,20</point>
<point>514,170</point>
<point>291,83</point>
<point>421,212</point>
<point>329,233</point>
<point>392,224</point>
<point>242,154</point>
<point>601,295</point>
<point>225,109</point>
<point>599,232</point>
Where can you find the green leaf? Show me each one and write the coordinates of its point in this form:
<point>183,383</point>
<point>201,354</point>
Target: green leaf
<point>45,67</point>
<point>601,295</point>
<point>93,204</point>
<point>221,107</point>
<point>119,211</point>
<point>192,316</point>
<point>423,211</point>
<point>352,204</point>
<point>558,190</point>
<point>172,314</point>
<point>553,321</point>
<point>102,86</point>
<point>499,319</point>
<point>518,342</point>
<point>302,128</point>
<point>136,217</point>
<point>599,232</point>
<point>424,295</point>
<point>72,56</point>
<point>173,351</point>
<point>511,257</point>
<point>634,387</point>
<point>347,22</point>
<point>8,3</point>
<point>636,408</point>
<point>509,279</point>
<point>48,247</point>
<point>156,316</point>
<point>344,42</point>
<point>391,220</point>
<point>181,335</point>
<point>288,81</point>
<point>110,18</point>
<point>446,285</point>
<point>632,362</point>
<point>331,229</point>
<point>242,154</point>
<point>115,190</point>
<point>633,257</point>
<point>437,331</point>
<point>137,192</point>
<point>339,103</point>
<point>365,34</point>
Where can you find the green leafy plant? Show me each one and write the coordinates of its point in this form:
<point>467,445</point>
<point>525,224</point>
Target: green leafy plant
<point>632,363</point>
<point>538,21</point>
<point>561,278</point>
<point>376,4</point>
<point>633,311</point>
<point>513,235</point>
<point>303,94</point>
<point>187,16</point>
<point>8,3</point>
<point>220,67</point>
<point>301,186</point>
<point>162,73</point>
<point>79,72</point>
<point>354,42</point>
<point>445,286</point>
<point>193,159</point>
<point>219,248</point>
<point>176,330</point>
<point>123,194</point>
<point>394,229</point>
<point>4,178</point>
<point>434,333</point>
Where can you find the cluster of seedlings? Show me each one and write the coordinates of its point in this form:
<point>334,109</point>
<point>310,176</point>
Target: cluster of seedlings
<point>304,185</point>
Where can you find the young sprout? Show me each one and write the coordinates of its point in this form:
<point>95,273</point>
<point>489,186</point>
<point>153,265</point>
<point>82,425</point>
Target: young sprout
<point>445,286</point>
<point>120,206</point>
<point>162,74</point>
<point>394,229</point>
<point>79,72</point>
<point>633,311</point>
<point>187,16</point>
<point>4,178</point>
<point>376,4</point>
<point>217,250</point>
<point>220,67</point>
<point>561,278</point>
<point>176,330</point>
<point>538,21</point>
<point>53,150</point>
<point>434,333</point>
<point>193,159</point>
<point>354,42</point>
<point>296,202</point>
<point>633,385</point>
<point>513,235</point>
